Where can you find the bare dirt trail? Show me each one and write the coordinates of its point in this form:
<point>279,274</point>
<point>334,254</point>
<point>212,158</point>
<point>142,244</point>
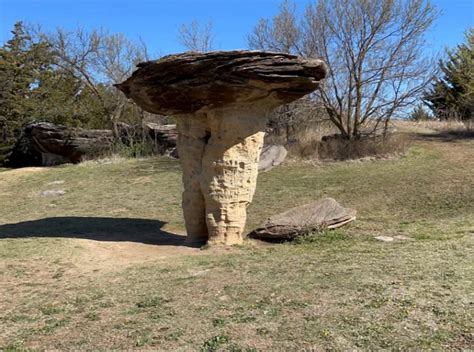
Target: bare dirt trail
<point>110,256</point>
<point>113,255</point>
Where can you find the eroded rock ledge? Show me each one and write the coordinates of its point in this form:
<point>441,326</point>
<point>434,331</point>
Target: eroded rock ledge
<point>186,83</point>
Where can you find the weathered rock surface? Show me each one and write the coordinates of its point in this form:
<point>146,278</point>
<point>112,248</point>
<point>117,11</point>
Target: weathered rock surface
<point>53,192</point>
<point>272,155</point>
<point>301,220</point>
<point>47,144</point>
<point>186,83</point>
<point>164,135</point>
<point>219,158</point>
<point>221,101</point>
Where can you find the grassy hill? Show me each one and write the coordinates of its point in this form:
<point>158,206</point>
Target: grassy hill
<point>99,264</point>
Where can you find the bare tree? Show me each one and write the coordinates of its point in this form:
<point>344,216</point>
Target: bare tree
<point>281,34</point>
<point>99,59</point>
<point>373,48</point>
<point>196,38</point>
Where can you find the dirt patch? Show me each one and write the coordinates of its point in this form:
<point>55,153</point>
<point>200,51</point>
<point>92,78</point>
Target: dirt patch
<point>22,171</point>
<point>113,255</point>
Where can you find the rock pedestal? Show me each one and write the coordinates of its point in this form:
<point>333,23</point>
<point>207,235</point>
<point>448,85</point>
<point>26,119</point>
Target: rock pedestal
<point>220,101</point>
<point>219,152</point>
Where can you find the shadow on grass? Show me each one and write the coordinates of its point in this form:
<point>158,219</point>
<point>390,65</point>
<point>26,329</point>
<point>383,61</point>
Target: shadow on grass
<point>100,229</point>
<point>446,136</point>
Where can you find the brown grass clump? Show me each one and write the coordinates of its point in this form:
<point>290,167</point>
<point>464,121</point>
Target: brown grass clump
<point>449,126</point>
<point>321,140</point>
<point>313,145</point>
<point>336,148</point>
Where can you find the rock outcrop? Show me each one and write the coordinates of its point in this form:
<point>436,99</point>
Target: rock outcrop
<point>221,101</point>
<point>165,136</point>
<point>47,144</point>
<point>299,221</point>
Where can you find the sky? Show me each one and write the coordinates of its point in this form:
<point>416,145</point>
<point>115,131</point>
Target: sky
<point>157,22</point>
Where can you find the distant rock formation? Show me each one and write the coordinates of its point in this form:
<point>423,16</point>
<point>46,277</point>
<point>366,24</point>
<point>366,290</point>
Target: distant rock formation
<point>46,144</point>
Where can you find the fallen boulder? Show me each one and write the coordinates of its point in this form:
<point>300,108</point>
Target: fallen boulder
<point>299,221</point>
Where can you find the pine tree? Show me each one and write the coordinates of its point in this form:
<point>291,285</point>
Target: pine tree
<point>34,88</point>
<point>22,64</point>
<point>452,95</point>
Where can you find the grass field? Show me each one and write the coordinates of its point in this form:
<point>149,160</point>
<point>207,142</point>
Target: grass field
<point>102,265</point>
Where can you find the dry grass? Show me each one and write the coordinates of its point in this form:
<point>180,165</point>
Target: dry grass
<point>98,275</point>
<point>303,139</point>
<point>432,126</point>
<point>372,146</point>
<point>319,141</point>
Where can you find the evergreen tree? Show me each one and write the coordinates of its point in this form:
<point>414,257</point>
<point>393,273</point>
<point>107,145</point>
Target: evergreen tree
<point>33,87</point>
<point>22,64</point>
<point>420,114</point>
<point>452,95</point>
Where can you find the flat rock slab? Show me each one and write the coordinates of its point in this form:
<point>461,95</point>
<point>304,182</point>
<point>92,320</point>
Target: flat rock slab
<point>57,182</point>
<point>384,238</point>
<point>324,214</point>
<point>186,83</point>
<point>391,239</point>
<point>53,192</point>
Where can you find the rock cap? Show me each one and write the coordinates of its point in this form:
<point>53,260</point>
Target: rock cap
<point>188,82</point>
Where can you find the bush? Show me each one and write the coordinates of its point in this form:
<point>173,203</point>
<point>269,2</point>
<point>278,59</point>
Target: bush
<point>337,148</point>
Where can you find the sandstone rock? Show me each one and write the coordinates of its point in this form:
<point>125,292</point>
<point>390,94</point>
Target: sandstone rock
<point>384,238</point>
<point>46,144</point>
<point>271,156</point>
<point>186,83</point>
<point>301,220</point>
<point>221,101</point>
<point>165,136</point>
<point>56,182</point>
<point>402,238</point>
<point>53,192</point>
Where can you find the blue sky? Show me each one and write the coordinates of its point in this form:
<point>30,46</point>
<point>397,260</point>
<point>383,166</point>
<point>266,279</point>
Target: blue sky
<point>157,21</point>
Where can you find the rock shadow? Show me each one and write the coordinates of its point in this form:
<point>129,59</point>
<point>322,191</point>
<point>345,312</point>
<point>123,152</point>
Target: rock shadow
<point>95,228</point>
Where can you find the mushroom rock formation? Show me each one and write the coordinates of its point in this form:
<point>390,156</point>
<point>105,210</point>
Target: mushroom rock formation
<point>221,101</point>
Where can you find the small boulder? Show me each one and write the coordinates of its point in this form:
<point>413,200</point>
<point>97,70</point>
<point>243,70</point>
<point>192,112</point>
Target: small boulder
<point>384,238</point>
<point>271,156</point>
<point>53,192</point>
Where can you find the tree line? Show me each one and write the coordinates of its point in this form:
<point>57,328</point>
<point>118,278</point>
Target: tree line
<point>375,51</point>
